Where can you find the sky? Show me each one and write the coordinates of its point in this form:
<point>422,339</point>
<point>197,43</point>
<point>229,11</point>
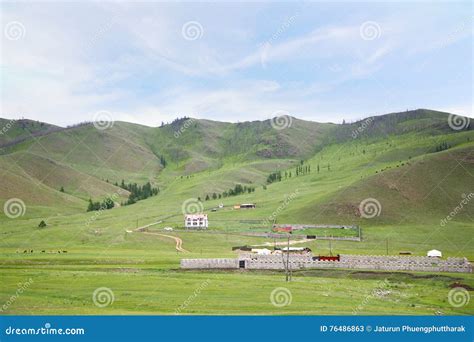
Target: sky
<point>150,62</point>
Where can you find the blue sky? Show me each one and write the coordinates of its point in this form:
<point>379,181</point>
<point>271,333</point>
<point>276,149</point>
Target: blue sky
<point>153,61</point>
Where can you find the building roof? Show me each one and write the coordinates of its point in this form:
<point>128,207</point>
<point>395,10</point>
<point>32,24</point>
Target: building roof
<point>293,248</point>
<point>434,252</point>
<point>195,216</point>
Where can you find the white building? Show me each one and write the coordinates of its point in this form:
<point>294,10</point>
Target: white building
<point>261,251</point>
<point>434,253</point>
<point>196,221</point>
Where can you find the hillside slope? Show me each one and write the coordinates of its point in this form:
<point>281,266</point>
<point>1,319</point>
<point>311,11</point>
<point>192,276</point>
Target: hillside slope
<point>197,158</point>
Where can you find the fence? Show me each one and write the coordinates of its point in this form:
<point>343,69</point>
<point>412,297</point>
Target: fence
<point>307,261</point>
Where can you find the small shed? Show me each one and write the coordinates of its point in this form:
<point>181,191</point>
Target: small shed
<point>261,251</point>
<point>434,253</point>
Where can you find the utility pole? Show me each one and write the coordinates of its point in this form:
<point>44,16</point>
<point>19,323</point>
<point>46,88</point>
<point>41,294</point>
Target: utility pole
<point>288,259</point>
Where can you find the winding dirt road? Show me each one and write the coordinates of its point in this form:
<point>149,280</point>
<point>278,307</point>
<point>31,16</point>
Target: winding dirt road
<point>179,242</point>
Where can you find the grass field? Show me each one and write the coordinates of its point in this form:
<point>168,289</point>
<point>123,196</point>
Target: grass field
<point>416,187</point>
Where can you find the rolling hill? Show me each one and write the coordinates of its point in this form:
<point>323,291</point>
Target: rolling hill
<point>412,167</point>
<point>196,158</point>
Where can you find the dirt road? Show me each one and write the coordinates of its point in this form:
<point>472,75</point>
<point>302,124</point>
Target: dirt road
<point>179,242</point>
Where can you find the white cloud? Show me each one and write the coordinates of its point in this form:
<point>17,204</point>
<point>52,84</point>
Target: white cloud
<point>132,60</point>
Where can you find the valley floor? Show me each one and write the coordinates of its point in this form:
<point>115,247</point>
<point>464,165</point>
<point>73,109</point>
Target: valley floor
<point>117,280</point>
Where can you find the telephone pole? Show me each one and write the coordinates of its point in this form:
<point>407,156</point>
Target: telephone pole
<point>288,260</point>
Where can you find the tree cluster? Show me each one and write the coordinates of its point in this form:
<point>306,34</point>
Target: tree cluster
<point>443,146</point>
<point>138,192</point>
<point>238,189</point>
<point>107,203</point>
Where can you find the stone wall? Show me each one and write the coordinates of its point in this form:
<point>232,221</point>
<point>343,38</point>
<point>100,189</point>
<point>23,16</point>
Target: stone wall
<point>362,262</point>
<point>210,263</point>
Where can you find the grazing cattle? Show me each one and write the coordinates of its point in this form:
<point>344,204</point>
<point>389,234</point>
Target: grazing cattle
<point>25,251</point>
<point>43,252</point>
<point>64,251</point>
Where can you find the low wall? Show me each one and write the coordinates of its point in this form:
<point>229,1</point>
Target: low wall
<point>209,263</point>
<point>362,262</point>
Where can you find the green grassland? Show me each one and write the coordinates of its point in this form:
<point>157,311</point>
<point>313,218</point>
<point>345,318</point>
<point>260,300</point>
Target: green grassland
<point>395,161</point>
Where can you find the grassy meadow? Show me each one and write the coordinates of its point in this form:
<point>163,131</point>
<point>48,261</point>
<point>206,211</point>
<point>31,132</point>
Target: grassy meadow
<point>415,185</point>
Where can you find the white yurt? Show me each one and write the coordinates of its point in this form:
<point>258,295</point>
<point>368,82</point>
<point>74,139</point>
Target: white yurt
<point>434,253</point>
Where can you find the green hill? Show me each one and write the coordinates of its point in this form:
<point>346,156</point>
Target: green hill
<point>412,166</point>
